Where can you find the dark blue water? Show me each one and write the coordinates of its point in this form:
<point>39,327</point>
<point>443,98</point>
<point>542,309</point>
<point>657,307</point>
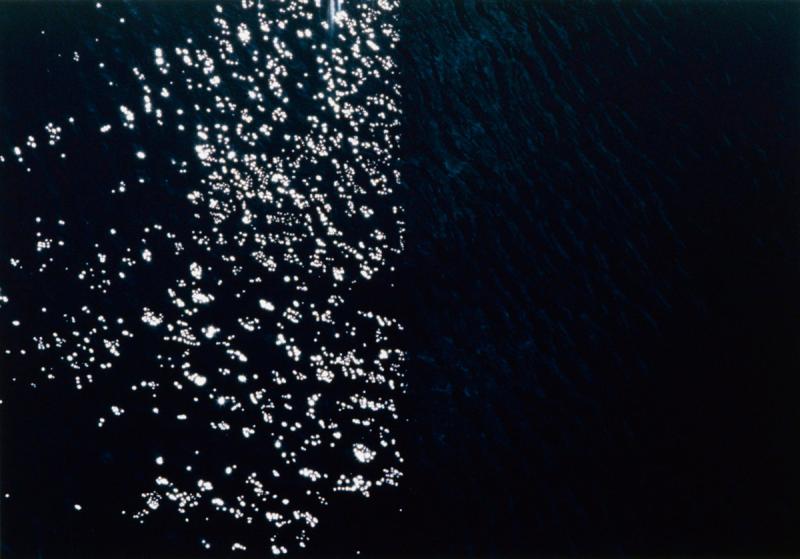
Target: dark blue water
<point>598,287</point>
<point>617,185</point>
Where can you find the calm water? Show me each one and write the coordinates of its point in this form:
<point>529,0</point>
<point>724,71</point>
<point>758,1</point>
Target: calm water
<point>436,278</point>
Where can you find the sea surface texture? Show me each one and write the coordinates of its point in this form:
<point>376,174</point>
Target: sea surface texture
<point>604,219</point>
<point>422,278</point>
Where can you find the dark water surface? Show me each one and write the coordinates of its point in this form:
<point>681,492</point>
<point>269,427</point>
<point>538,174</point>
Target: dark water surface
<point>604,261</point>
<point>598,287</point>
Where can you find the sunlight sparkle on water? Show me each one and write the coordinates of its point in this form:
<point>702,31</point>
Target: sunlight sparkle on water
<point>291,212</point>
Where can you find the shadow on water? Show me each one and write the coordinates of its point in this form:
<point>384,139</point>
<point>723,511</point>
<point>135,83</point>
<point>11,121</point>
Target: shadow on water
<point>603,265</point>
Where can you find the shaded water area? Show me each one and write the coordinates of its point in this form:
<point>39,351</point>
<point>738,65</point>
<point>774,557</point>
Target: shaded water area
<point>617,184</point>
<point>598,286</point>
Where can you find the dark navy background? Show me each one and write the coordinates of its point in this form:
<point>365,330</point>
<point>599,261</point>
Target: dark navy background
<point>600,287</point>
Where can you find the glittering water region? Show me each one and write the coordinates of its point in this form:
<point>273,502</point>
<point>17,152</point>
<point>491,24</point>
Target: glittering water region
<point>251,322</point>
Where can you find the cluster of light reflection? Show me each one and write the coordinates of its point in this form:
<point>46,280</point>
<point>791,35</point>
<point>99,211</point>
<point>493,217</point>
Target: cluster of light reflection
<point>292,109</point>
